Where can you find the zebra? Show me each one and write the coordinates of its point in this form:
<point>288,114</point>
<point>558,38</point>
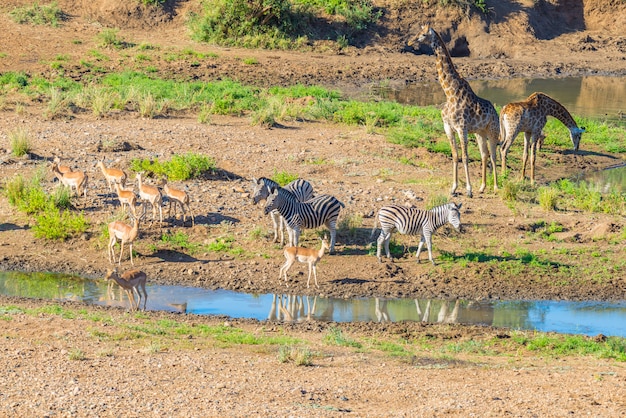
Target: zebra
<point>413,221</point>
<point>301,188</point>
<point>321,210</point>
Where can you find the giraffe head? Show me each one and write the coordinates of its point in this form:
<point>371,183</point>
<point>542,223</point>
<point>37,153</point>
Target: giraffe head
<point>575,135</point>
<point>424,36</point>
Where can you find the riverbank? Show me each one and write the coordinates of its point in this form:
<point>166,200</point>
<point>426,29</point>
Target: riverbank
<point>69,359</point>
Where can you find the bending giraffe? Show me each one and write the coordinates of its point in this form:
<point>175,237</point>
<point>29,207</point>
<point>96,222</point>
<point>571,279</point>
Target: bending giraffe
<point>530,116</point>
<point>463,113</point>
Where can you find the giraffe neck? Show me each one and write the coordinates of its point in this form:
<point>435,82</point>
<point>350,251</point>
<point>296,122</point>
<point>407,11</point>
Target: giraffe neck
<point>558,111</point>
<point>451,81</point>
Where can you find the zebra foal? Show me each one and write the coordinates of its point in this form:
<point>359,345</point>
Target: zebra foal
<point>302,189</point>
<point>412,221</point>
<point>321,210</point>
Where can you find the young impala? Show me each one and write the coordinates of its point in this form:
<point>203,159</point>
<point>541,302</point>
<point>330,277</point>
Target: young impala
<point>178,197</point>
<point>112,175</point>
<point>127,234</point>
<point>126,197</point>
<point>72,179</point>
<point>62,168</point>
<point>303,255</point>
<point>151,194</point>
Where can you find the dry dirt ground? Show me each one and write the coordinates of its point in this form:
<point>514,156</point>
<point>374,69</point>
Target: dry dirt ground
<point>361,169</point>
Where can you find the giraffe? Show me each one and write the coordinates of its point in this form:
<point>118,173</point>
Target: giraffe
<point>530,117</point>
<point>463,113</point>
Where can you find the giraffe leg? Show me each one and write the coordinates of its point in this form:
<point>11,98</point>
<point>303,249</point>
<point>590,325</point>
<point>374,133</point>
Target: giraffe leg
<point>484,155</point>
<point>468,183</point>
<point>533,157</point>
<point>525,154</point>
<point>492,145</point>
<point>455,157</point>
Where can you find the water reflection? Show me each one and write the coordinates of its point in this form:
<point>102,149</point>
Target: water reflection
<point>611,180</point>
<point>596,96</point>
<point>588,318</point>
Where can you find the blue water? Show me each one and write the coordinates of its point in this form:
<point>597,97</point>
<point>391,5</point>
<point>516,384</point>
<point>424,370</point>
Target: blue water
<point>584,318</point>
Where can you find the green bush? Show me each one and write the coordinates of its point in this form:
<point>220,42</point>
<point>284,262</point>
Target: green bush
<point>179,168</point>
<point>49,14</point>
<point>59,225</point>
<point>283,177</point>
<point>52,219</point>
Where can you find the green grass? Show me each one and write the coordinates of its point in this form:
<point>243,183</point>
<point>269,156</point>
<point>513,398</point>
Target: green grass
<point>172,334</point>
<point>36,14</point>
<point>335,336</point>
<point>150,96</point>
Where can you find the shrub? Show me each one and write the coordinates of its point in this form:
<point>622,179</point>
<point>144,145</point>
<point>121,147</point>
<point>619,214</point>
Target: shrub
<point>59,225</point>
<point>52,220</point>
<point>548,198</point>
<point>108,38</point>
<point>244,23</point>
<point>20,144</point>
<point>283,177</point>
<point>180,167</point>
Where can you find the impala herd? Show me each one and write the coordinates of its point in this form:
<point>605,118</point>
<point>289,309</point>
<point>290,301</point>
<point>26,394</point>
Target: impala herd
<point>120,231</point>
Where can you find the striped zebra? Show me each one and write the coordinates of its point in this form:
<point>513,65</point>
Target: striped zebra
<point>301,188</point>
<point>321,210</point>
<point>412,221</point>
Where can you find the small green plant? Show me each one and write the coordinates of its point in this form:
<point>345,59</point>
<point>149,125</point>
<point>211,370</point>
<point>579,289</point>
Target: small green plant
<point>57,105</point>
<point>76,354</point>
<point>283,177</point>
<point>256,233</point>
<point>335,336</point>
<point>250,61</point>
<point>510,191</point>
<point>20,142</point>
<point>109,38</point>
<point>180,240</point>
<point>436,200</point>
<point>49,14</point>
<point>548,198</point>
<point>300,356</point>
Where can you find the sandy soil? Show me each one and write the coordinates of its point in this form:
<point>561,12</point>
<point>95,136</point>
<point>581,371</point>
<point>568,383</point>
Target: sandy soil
<point>362,170</point>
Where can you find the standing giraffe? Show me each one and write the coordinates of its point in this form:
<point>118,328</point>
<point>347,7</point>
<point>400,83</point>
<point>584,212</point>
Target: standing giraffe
<point>530,117</point>
<point>463,113</point>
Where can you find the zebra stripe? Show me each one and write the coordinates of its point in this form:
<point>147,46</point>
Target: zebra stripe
<point>302,189</point>
<point>412,221</point>
<point>315,212</point>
